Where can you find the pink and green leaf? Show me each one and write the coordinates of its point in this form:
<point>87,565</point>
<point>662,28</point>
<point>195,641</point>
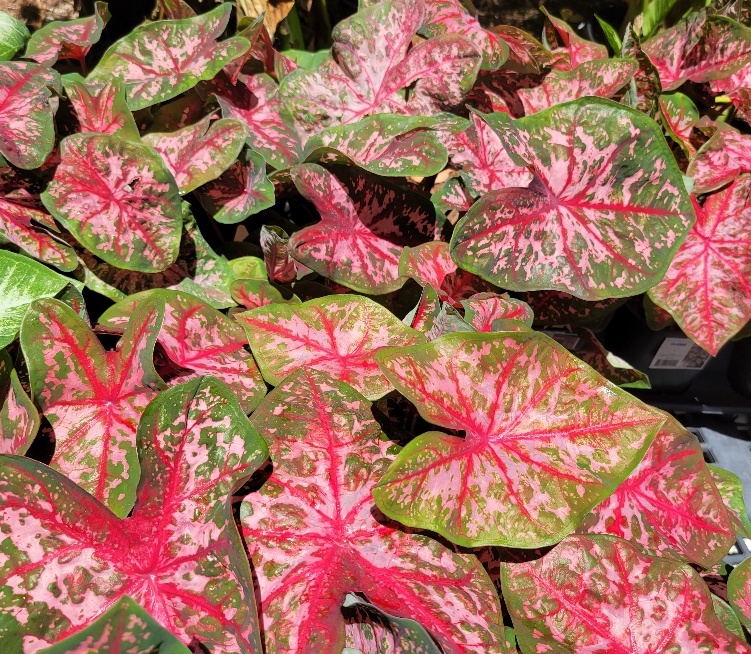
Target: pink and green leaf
<point>118,200</point>
<point>200,341</point>
<point>254,293</point>
<point>199,153</point>
<point>313,534</point>
<point>725,156</point>
<point>365,225</point>
<point>241,191</point>
<point>490,312</point>
<point>596,165</point>
<point>19,419</point>
<point>559,308</point>
<point>602,594</point>
<point>179,555</point>
<point>707,288</point>
<point>601,78</point>
<point>70,39</point>
<point>339,334</point>
<point>280,266</point>
<point>104,111</point>
<point>669,505</point>
<point>546,439</point>
<point>730,488</point>
<point>92,398</point>
<point>27,109</point>
<point>679,115</point>
<point>739,592</point>
<point>160,60</point>
<point>423,316</point>
<point>576,49</point>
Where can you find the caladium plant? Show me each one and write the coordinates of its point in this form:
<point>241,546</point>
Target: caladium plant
<point>360,248</point>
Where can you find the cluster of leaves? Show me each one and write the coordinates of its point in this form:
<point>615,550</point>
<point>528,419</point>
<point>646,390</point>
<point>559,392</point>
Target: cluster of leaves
<point>353,248</point>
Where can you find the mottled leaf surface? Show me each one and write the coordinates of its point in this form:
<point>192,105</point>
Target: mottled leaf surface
<point>70,39</point>
<point>92,398</point>
<point>254,293</point>
<point>669,505</point>
<point>19,419</point>
<point>559,308</point>
<point>490,312</point>
<point>576,49</point>
<point>546,439</point>
<point>679,115</point>
<point>372,61</point>
<point>119,200</point>
<point>160,60</point>
<point>23,281</point>
<point>739,592</point>
<point>313,535</point>
<point>365,224</point>
<point>602,594</point>
<point>730,488</point>
<point>604,215</point>
<point>123,629</point>
<point>339,334</point>
<point>67,558</point>
<point>201,152</point>
<point>200,340</point>
<point>720,160</point>
<point>280,266</point>
<point>707,288</point>
<point>27,131</point>
<point>104,111</point>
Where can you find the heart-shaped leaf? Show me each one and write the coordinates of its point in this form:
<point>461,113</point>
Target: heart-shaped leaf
<point>69,39</point>
<point>19,419</point>
<point>160,60</point>
<point>254,293</point>
<point>721,159</point>
<point>679,115</point>
<point>241,191</point>
<point>27,130</point>
<point>339,334</point>
<point>24,280</point>
<point>119,200</point>
<point>608,202</point>
<point>92,398</point>
<point>372,60</point>
<point>490,312</point>
<point>179,555</point>
<point>546,439</point>
<point>601,78</point>
<point>365,224</point>
<point>707,288</point>
<point>117,631</point>
<point>201,152</point>
<point>104,111</point>
<point>668,506</point>
<point>313,537</point>
<point>573,49</point>
<point>200,340</point>
<point>602,594</point>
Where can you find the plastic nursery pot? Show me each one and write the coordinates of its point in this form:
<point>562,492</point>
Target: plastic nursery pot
<point>671,360</point>
<point>739,368</point>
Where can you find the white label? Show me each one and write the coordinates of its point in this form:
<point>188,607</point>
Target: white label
<point>679,354</point>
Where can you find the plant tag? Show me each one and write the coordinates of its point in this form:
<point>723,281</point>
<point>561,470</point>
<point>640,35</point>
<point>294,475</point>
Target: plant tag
<point>567,339</point>
<point>679,354</point>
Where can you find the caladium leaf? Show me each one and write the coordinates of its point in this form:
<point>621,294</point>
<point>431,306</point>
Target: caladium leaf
<point>558,308</point>
<point>119,201</point>
<point>730,488</point>
<point>123,629</point>
<point>280,266</point>
<point>720,160</point>
<point>186,109</point>
<point>249,267</point>
<point>447,320</point>
<point>739,592</point>
<point>592,78</point>
<point>160,60</point>
<point>707,288</point>
<point>339,334</point>
<point>24,224</point>
<point>453,196</point>
<point>727,616</point>
<point>679,115</point>
<point>200,340</point>
<point>254,293</point>
<point>24,280</point>
<point>104,111</point>
<point>490,312</point>
<point>576,49</point>
<point>92,398</point>
<point>27,130</point>
<point>602,594</point>
<point>255,101</point>
<point>19,419</point>
<point>240,192</point>
<point>174,9</point>
<point>179,555</point>
<point>609,222</point>
<point>668,506</point>
<point>645,89</point>
<point>373,60</point>
<point>546,439</point>
<point>423,316</point>
<point>201,152</point>
<point>70,39</point>
<point>431,263</point>
<point>483,161</point>
<point>699,48</point>
<point>450,17</point>
<point>385,144</point>
<point>525,53</point>
<point>327,452</point>
<point>365,224</point>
